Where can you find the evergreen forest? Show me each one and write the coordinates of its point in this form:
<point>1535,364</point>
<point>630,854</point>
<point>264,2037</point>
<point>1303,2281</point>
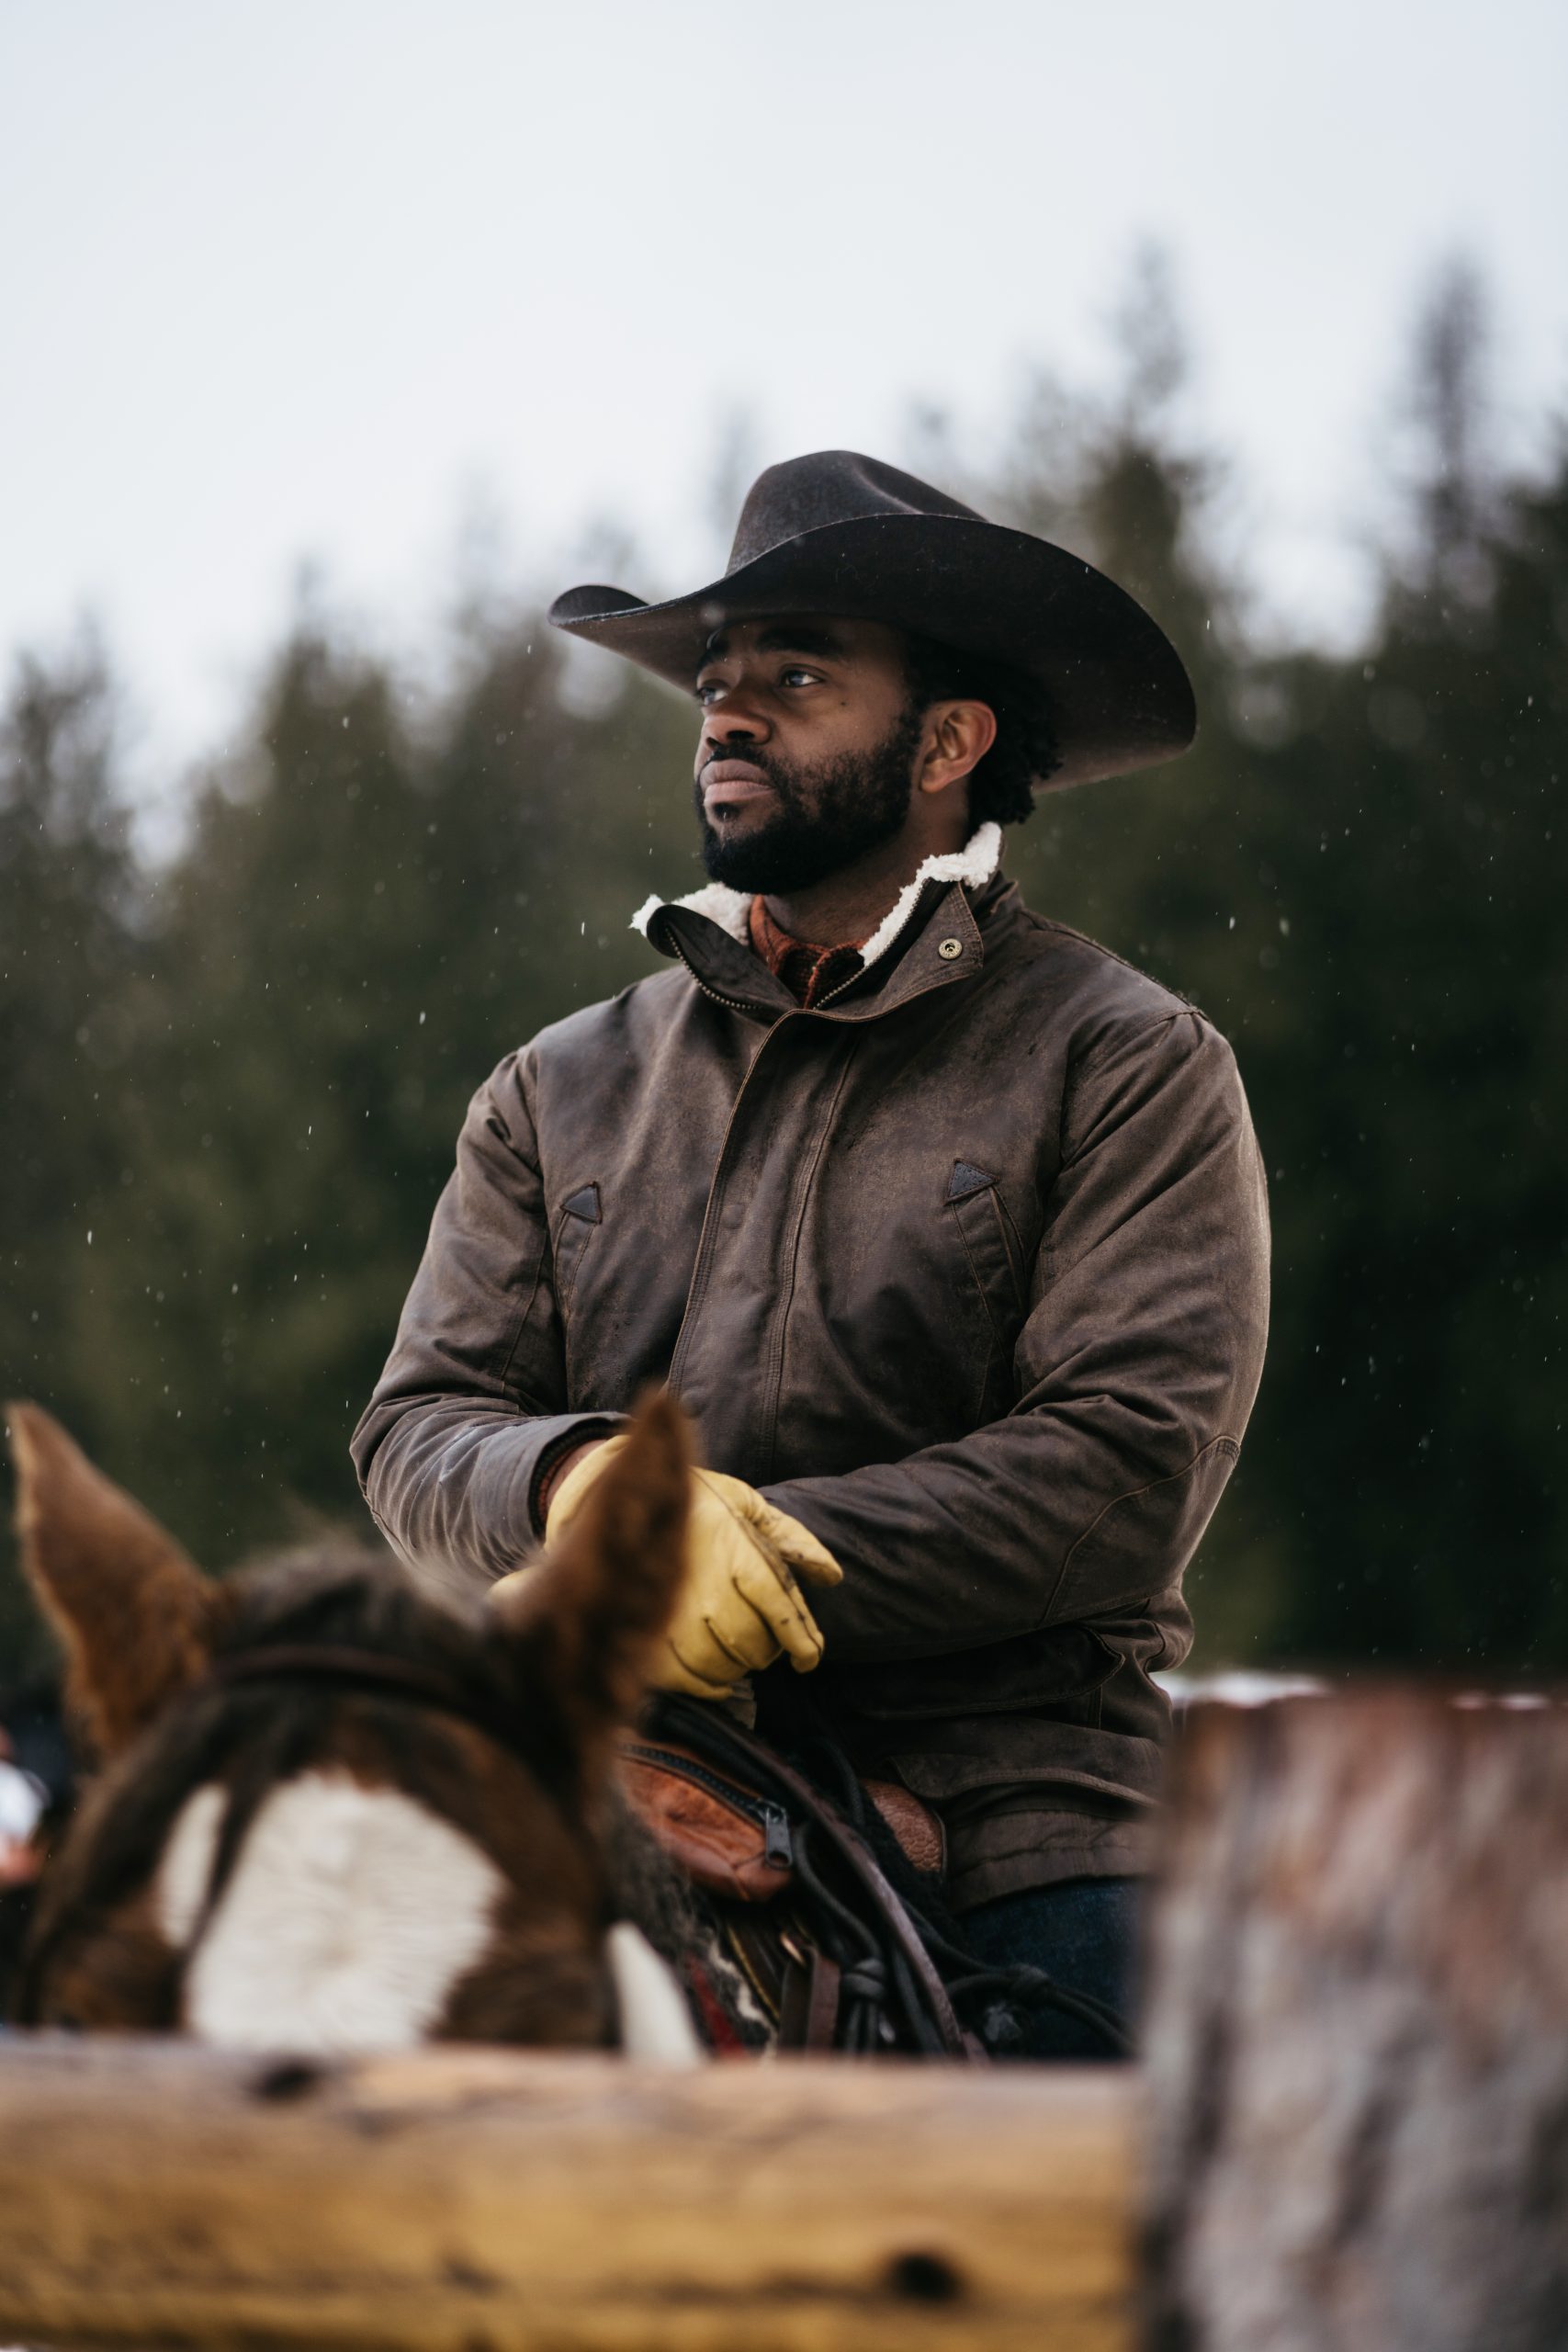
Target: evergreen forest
<point>231,1073</point>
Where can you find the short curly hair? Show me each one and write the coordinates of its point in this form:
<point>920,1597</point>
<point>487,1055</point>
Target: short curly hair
<point>1002,785</point>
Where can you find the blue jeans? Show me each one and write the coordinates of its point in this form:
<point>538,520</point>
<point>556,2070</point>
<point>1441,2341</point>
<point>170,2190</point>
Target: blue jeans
<point>1083,1932</point>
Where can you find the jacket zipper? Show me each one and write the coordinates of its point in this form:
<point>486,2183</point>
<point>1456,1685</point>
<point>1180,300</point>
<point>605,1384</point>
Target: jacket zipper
<point>772,1819</point>
<point>698,1284</point>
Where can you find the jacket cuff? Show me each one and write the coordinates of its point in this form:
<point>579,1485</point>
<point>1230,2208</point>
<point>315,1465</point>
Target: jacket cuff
<point>452,1486</point>
<point>568,1433</point>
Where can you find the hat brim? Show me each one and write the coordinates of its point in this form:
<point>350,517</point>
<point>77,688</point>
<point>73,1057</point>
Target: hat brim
<point>1120,696</point>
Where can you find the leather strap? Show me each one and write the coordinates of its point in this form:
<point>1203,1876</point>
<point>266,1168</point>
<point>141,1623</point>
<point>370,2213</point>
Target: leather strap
<point>809,2014</point>
<point>852,1851</point>
<point>347,1668</point>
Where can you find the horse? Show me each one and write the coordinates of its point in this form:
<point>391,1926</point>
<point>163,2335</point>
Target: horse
<point>339,1809</point>
<point>336,1813</point>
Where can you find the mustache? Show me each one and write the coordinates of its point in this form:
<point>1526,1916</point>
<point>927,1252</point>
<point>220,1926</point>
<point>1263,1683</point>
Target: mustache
<point>757,760</point>
<point>786,789</point>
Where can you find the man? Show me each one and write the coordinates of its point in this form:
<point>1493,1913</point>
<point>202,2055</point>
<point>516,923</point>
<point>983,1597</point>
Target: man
<point>947,1227</point>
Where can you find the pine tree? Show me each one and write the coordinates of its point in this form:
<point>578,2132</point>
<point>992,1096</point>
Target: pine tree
<point>69,968</point>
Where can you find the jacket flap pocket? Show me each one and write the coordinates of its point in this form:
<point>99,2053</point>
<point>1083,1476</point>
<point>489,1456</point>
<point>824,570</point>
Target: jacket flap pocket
<point>578,1215</point>
<point>990,1243</point>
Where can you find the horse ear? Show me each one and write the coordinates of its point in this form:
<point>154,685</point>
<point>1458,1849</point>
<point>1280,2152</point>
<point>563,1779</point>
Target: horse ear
<point>586,1621</point>
<point>134,1613</point>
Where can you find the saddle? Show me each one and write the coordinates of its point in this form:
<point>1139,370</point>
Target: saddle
<point>829,1948</point>
<point>736,1841</point>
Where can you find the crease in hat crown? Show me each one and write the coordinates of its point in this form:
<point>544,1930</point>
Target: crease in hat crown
<point>838,534</point>
<point>831,486</point>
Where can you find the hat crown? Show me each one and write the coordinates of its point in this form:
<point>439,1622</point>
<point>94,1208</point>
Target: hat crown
<point>830,486</point>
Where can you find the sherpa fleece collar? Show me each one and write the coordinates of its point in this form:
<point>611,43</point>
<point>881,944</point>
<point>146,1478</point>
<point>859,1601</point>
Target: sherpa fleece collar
<point>972,865</point>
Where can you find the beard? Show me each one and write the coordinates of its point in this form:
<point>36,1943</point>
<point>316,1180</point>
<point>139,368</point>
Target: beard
<point>827,817</point>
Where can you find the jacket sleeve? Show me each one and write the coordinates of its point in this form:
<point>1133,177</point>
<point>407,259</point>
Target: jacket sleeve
<point>471,1409</point>
<point>1136,1371</point>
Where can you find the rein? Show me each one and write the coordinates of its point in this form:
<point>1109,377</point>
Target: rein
<point>902,1956</point>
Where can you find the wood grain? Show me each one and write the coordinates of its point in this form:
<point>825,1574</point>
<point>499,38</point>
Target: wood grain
<point>481,2200</point>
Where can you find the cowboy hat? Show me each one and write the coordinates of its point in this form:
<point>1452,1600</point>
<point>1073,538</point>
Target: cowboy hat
<point>839,534</point>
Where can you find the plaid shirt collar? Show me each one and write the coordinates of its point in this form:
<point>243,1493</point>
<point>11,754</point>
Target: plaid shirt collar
<point>807,970</point>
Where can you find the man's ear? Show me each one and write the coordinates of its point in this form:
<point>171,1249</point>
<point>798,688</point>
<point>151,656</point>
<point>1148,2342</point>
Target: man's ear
<point>134,1613</point>
<point>958,736</point>
<point>586,1621</point>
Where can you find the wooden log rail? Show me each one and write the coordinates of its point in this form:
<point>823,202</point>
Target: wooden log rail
<point>481,2200</point>
<point>1350,2134</point>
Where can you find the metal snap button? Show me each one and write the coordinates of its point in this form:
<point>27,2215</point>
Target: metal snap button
<point>948,948</point>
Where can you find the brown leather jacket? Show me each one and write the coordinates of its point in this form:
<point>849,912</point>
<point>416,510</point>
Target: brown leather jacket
<point>966,1268</point>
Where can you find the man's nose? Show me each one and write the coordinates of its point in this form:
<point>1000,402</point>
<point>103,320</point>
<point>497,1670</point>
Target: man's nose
<point>735,720</point>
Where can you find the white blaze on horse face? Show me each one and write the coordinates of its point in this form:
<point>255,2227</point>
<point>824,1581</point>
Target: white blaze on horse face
<point>351,1914</point>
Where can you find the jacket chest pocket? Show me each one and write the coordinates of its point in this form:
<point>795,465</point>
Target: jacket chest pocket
<point>990,1244</point>
<point>995,1277</point>
<point>577,1220</point>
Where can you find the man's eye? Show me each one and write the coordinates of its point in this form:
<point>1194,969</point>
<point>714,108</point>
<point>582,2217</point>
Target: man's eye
<point>708,690</point>
<point>794,676</point>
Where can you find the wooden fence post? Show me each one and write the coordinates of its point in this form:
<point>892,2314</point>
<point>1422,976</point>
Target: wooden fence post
<point>1358,2042</point>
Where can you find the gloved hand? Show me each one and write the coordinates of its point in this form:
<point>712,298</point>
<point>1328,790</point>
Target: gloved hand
<point>740,1605</point>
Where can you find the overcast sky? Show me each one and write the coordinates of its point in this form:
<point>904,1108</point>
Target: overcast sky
<point>291,278</point>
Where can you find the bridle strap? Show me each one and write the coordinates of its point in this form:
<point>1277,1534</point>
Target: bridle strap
<point>343,1667</point>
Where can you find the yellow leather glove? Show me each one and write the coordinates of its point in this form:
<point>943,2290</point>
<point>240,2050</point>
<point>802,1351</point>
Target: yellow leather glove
<point>740,1605</point>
